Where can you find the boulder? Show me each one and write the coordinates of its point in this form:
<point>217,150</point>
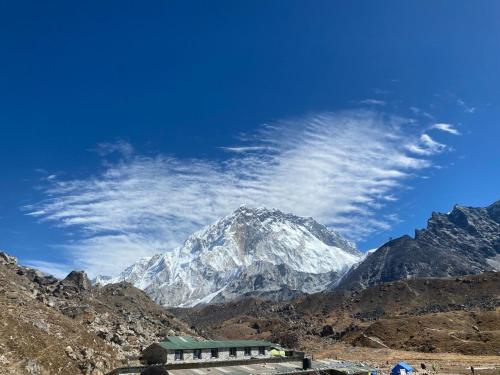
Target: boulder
<point>327,330</point>
<point>78,279</point>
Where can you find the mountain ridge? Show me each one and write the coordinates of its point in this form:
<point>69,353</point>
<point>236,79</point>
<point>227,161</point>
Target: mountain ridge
<point>463,241</point>
<point>253,250</point>
<point>274,255</point>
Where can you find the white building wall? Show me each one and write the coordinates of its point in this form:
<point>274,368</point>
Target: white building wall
<point>206,355</point>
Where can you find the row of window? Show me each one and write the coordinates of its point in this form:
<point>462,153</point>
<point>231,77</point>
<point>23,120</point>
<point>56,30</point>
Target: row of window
<point>214,353</point>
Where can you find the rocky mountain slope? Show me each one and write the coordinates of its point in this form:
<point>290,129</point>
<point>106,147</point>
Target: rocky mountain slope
<point>50,326</point>
<point>464,241</point>
<point>421,314</point>
<point>257,252</point>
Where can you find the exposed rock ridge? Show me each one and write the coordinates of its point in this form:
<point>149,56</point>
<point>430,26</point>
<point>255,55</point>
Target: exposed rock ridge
<point>464,241</point>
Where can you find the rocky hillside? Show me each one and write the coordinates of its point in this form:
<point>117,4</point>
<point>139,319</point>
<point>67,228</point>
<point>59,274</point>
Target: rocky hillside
<point>50,326</point>
<point>429,314</point>
<point>464,241</point>
<point>252,252</point>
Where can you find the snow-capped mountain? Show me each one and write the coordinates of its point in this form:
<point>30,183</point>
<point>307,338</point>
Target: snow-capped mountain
<point>252,251</point>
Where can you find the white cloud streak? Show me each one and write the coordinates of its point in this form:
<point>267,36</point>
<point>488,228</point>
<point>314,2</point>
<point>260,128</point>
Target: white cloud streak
<point>426,146</point>
<point>372,102</point>
<point>340,168</point>
<point>242,149</point>
<point>448,128</point>
<point>121,147</point>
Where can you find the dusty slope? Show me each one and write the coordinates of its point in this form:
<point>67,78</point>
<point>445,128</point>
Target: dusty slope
<point>51,327</point>
<point>423,306</point>
<point>37,339</point>
<point>443,363</point>
<point>474,332</point>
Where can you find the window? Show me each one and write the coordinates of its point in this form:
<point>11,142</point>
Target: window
<point>248,351</point>
<point>232,352</point>
<point>262,350</point>
<point>197,354</point>
<point>179,355</point>
<point>214,353</point>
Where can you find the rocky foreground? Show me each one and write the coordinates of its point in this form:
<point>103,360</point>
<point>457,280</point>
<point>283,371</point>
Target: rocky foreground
<point>50,326</point>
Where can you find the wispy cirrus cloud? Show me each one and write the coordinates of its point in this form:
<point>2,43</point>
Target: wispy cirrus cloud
<point>426,146</point>
<point>242,149</point>
<point>373,102</point>
<point>448,128</point>
<point>340,168</point>
<point>466,107</point>
<point>122,147</point>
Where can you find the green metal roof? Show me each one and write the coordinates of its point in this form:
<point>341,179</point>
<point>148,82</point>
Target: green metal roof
<point>187,342</point>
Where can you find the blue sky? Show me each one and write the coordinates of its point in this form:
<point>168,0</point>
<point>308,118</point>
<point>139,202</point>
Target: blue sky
<point>126,126</point>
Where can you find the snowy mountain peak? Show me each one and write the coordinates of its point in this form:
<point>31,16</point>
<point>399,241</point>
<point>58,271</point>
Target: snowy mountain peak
<point>267,219</point>
<point>252,250</point>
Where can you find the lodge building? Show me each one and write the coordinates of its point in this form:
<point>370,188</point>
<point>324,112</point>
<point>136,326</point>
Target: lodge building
<point>187,349</point>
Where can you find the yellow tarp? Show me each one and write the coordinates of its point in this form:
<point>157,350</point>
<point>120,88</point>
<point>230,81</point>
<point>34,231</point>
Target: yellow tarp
<point>277,353</point>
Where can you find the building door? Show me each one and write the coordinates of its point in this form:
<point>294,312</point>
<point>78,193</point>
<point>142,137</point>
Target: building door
<point>179,355</point>
<point>214,353</point>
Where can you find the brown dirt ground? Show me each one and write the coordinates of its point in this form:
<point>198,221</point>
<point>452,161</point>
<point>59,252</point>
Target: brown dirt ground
<point>444,363</point>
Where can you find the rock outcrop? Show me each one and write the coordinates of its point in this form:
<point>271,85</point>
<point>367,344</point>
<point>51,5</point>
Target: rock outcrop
<point>7,259</point>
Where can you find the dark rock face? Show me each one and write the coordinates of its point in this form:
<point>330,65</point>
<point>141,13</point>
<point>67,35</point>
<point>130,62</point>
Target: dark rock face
<point>327,330</point>
<point>465,241</point>
<point>36,276</point>
<point>77,282</point>
<point>78,279</point>
<point>494,211</point>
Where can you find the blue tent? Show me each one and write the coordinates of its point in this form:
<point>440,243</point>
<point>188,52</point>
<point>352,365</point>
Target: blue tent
<point>401,366</point>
